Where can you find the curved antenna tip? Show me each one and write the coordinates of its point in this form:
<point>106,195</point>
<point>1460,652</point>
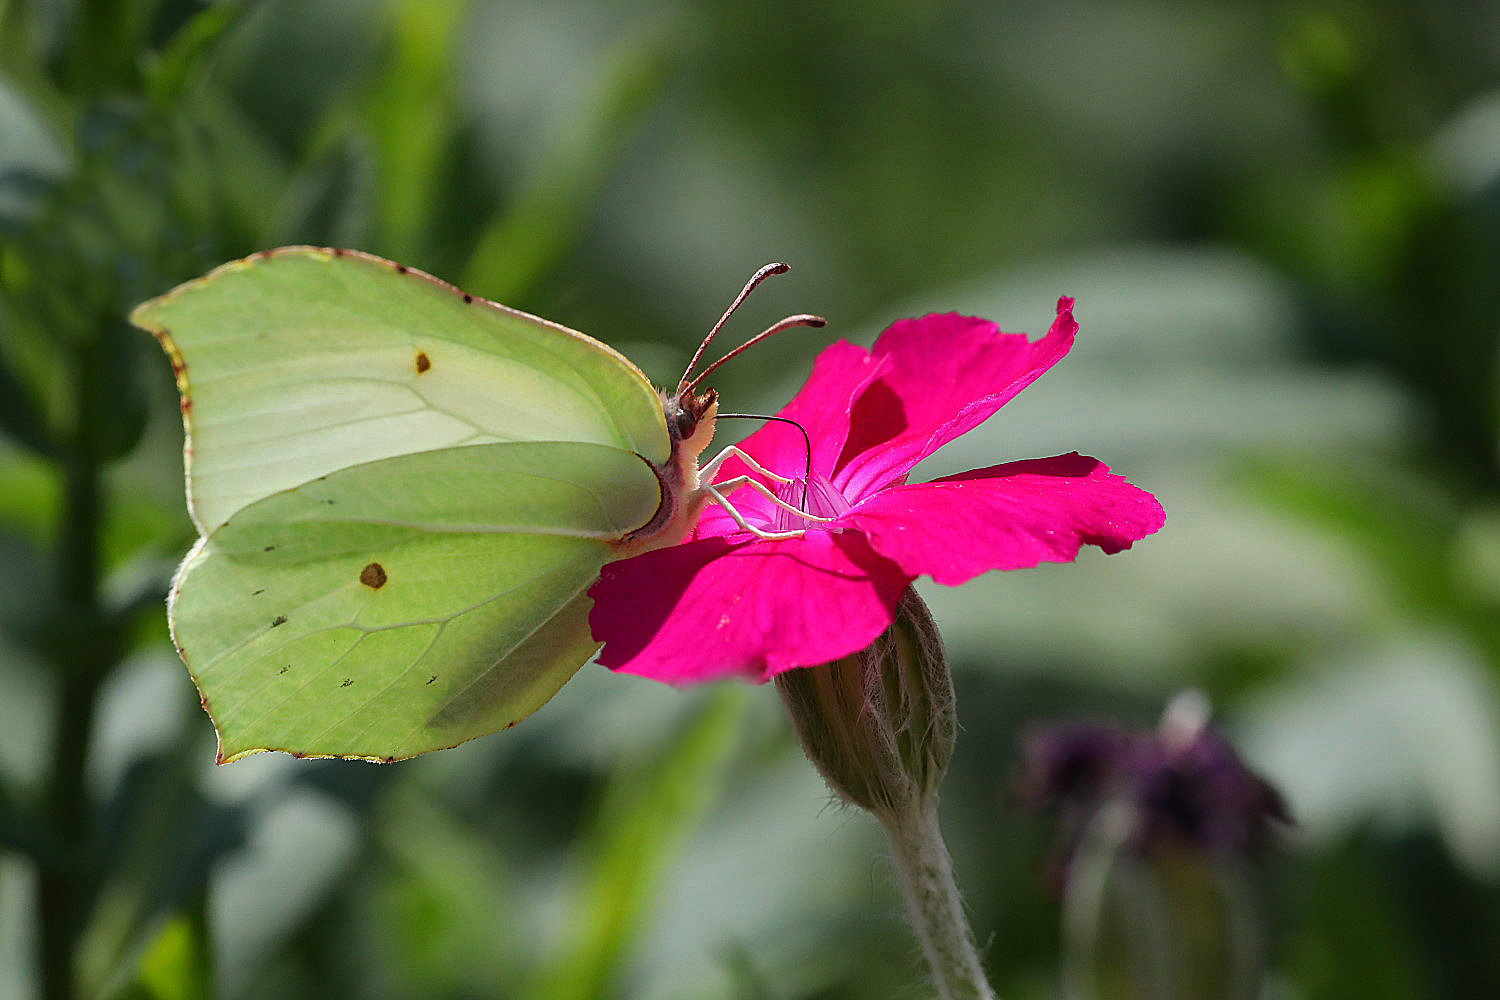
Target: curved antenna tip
<point>775,267</point>
<point>802,319</point>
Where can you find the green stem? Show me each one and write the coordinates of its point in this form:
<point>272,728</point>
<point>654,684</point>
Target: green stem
<point>81,665</point>
<point>1086,902</point>
<point>933,903</point>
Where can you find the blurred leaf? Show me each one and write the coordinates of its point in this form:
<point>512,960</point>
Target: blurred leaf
<point>409,111</point>
<point>103,43</point>
<point>451,896</point>
<point>31,155</point>
<point>20,417</point>
<point>1478,554</point>
<point>647,811</point>
<point>330,201</point>
<point>288,65</point>
<point>1353,929</point>
<point>1406,732</point>
<point>544,216</point>
<point>176,965</point>
<point>1467,148</point>
<point>1396,522</point>
<point>173,71</point>
<point>21,836</point>
<point>749,982</point>
<point>1181,353</point>
<point>26,688</point>
<point>111,399</point>
<point>158,839</point>
<point>234,175</point>
<point>17,922</point>
<point>299,845</point>
<point>29,492</point>
<point>792,877</point>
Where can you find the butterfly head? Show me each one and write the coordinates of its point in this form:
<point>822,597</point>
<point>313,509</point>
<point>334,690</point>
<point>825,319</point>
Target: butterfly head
<point>690,418</point>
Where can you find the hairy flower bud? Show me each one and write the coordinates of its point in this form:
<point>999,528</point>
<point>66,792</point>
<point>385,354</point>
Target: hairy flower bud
<point>879,724</point>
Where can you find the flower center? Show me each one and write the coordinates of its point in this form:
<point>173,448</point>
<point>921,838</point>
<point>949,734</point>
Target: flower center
<point>823,499</point>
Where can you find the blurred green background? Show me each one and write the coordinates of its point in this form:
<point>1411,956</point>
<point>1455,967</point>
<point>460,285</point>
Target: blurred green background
<point>1282,224</point>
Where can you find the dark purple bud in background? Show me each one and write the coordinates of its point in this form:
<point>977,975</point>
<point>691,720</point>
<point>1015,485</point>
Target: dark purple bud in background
<point>1158,830</point>
<point>1184,784</point>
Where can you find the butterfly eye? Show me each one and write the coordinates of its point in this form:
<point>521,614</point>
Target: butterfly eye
<point>684,422</point>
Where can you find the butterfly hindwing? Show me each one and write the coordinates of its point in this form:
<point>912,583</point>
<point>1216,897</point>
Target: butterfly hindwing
<point>406,604</point>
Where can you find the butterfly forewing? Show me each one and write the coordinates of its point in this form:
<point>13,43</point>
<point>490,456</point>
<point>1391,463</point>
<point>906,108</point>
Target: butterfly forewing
<point>302,361</point>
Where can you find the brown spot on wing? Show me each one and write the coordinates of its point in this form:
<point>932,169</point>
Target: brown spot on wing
<point>423,362</point>
<point>347,682</point>
<point>373,576</point>
<point>278,620</point>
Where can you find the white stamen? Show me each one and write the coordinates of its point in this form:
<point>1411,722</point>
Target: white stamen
<point>730,485</point>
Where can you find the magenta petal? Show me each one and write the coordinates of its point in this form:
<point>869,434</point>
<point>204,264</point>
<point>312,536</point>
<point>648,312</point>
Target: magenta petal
<point>946,375</point>
<point>1006,517</point>
<point>711,608</point>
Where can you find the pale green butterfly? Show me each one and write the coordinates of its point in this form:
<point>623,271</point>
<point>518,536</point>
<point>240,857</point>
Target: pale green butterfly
<point>403,492</point>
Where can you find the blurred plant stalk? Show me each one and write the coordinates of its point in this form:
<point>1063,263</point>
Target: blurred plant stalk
<point>880,726</point>
<point>80,636</point>
<point>77,248</point>
<point>1180,926</point>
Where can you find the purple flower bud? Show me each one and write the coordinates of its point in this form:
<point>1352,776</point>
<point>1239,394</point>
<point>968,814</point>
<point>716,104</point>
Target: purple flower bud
<point>1184,784</point>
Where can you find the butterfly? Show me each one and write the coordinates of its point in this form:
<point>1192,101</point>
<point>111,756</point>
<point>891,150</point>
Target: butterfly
<point>402,492</point>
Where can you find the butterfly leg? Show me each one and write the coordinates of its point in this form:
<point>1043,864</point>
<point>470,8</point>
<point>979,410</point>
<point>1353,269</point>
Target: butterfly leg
<point>712,467</point>
<point>761,533</point>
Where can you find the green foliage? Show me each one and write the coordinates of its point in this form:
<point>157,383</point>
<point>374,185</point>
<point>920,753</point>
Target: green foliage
<point>1283,230</point>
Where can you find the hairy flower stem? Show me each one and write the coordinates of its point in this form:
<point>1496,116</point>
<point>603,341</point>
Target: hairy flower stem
<point>933,902</point>
<point>879,725</point>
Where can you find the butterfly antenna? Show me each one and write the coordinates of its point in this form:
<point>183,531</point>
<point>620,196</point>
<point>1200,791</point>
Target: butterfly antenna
<point>755,279</point>
<point>802,319</point>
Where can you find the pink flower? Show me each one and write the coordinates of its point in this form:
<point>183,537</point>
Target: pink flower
<point>725,602</point>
